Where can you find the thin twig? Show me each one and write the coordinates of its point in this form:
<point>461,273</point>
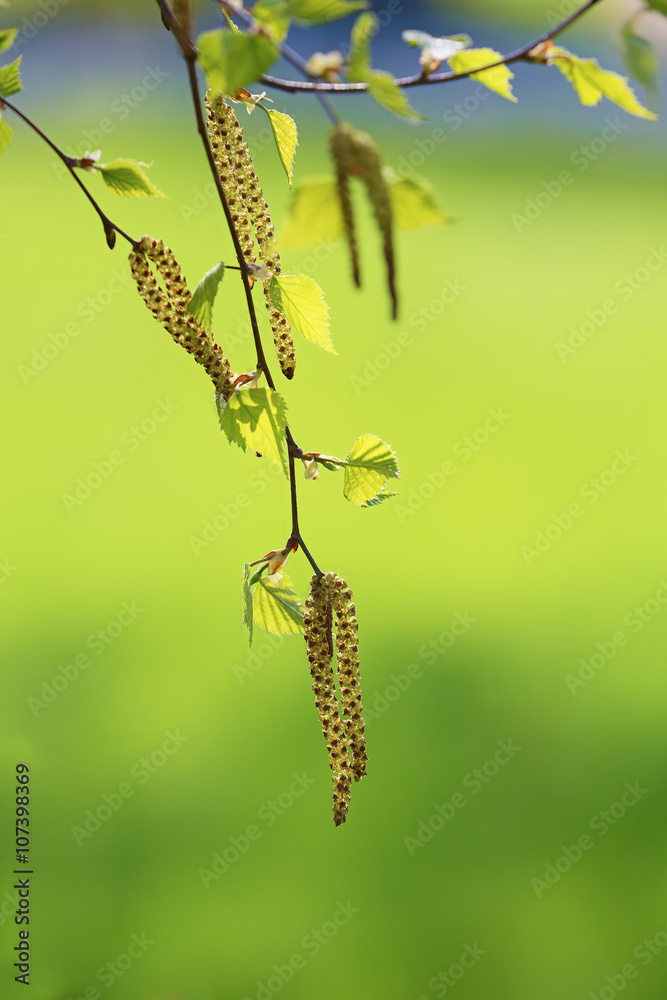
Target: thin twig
<point>419,79</point>
<point>110,228</point>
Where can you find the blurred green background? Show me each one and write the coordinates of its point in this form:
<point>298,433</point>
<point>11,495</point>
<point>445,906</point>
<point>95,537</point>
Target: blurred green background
<point>369,909</point>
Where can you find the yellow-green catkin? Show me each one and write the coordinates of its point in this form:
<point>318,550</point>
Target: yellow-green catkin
<point>342,152</point>
<point>329,604</point>
<point>169,306</point>
<point>318,624</point>
<point>349,680</point>
<point>250,212</point>
<point>355,153</point>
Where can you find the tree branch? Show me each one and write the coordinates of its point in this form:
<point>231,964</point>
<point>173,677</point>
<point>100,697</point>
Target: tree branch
<point>110,228</point>
<point>419,80</point>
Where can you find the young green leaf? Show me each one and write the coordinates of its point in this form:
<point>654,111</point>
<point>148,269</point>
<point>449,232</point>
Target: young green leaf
<point>247,601</point>
<point>591,83</point>
<point>285,134</point>
<point>10,78</point>
<point>380,498</point>
<point>232,59</point>
<point>640,58</point>
<point>7,36</point>
<point>660,5</point>
<point>126,177</point>
<point>383,87</point>
<point>277,608</point>
<point>322,11</point>
<point>255,419</point>
<point>413,204</point>
<point>301,300</point>
<point>314,214</point>
<point>359,59</point>
<point>273,17</point>
<point>497,79</point>
<point>203,297</point>
<point>368,466</point>
<point>6,134</point>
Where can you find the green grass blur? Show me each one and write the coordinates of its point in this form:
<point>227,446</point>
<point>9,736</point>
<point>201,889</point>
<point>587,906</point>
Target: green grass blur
<point>415,564</point>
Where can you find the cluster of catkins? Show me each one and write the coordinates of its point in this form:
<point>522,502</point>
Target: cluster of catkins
<point>356,155</point>
<point>169,305</point>
<point>249,210</point>
<point>340,715</point>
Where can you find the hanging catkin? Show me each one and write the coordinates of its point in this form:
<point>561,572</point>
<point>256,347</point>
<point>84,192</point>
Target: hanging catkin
<point>250,212</point>
<point>355,154</point>
<point>342,723</point>
<point>169,306</point>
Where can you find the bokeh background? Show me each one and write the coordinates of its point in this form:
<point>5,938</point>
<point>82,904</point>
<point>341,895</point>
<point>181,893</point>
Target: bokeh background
<point>470,637</point>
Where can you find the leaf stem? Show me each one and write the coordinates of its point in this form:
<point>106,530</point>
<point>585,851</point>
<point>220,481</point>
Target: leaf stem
<point>110,228</point>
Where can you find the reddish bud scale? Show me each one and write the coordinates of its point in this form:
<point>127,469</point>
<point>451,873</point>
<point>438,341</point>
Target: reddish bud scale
<point>250,211</point>
<point>169,307</point>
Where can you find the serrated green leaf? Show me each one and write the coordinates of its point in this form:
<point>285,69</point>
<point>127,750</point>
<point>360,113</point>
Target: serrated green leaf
<point>381,85</point>
<point>232,60</point>
<point>255,419</point>
<point>273,16</point>
<point>247,601</point>
<point>322,11</point>
<point>285,133</point>
<point>368,466</point>
<point>413,204</point>
<point>314,214</point>
<point>359,59</point>
<point>639,57</point>
<point>380,498</point>
<point>10,78</point>
<point>591,83</point>
<point>277,608</point>
<point>7,36</point>
<point>301,300</point>
<point>203,297</point>
<point>6,134</point>
<point>383,88</point>
<point>496,79</point>
<point>126,177</point>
